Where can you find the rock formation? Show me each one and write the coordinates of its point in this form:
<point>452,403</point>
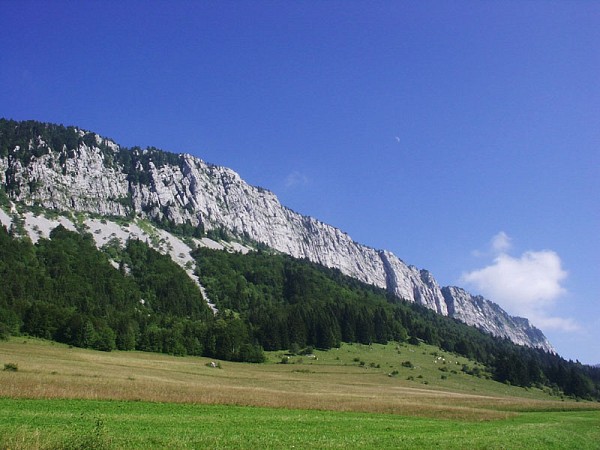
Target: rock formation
<point>96,176</point>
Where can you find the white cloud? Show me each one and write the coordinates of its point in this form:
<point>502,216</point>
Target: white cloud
<point>501,242</point>
<point>295,179</point>
<point>527,286</point>
<point>532,279</point>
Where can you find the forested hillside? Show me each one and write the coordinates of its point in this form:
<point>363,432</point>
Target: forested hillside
<point>292,302</point>
<point>65,289</point>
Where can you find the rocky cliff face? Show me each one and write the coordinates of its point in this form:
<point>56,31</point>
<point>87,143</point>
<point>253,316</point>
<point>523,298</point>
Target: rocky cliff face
<point>96,176</point>
<point>484,314</point>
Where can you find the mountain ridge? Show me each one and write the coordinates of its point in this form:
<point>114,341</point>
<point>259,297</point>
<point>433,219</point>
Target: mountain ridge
<point>66,168</point>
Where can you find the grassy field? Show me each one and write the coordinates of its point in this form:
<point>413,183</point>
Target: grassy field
<point>117,424</point>
<point>353,397</point>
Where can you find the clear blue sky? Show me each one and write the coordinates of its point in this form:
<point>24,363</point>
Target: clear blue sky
<point>464,136</point>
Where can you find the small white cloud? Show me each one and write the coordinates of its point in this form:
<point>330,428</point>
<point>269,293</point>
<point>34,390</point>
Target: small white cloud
<point>527,286</point>
<point>295,179</point>
<point>501,243</point>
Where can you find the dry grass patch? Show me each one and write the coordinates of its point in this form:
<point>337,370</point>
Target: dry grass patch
<point>49,370</point>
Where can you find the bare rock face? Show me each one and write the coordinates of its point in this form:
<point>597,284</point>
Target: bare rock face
<point>68,180</point>
<point>100,178</point>
<point>488,316</point>
<point>413,284</point>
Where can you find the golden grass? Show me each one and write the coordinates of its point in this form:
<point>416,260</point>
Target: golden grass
<point>47,370</point>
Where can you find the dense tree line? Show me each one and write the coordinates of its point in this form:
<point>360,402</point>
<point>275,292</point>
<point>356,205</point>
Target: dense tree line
<point>291,302</point>
<point>64,289</point>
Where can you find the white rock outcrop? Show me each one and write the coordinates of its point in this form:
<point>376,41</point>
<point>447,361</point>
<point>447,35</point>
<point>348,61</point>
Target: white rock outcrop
<point>488,316</point>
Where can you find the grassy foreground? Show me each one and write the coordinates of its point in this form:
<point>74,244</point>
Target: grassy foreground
<point>352,397</point>
<point>117,424</point>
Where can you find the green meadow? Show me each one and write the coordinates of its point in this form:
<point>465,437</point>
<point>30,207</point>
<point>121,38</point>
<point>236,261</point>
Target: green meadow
<point>356,396</point>
<point>120,424</point>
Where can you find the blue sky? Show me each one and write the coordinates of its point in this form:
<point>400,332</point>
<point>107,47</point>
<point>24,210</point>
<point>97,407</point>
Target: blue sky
<point>464,136</point>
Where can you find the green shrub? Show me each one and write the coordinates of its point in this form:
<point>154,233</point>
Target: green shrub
<point>294,348</point>
<point>308,350</point>
<point>11,367</point>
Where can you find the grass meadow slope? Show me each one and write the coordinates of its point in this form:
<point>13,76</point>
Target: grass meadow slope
<point>357,396</point>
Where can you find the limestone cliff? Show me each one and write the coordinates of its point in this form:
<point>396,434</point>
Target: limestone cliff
<point>94,175</point>
<point>477,311</point>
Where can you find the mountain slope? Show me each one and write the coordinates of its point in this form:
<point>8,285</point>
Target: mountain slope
<point>67,169</point>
